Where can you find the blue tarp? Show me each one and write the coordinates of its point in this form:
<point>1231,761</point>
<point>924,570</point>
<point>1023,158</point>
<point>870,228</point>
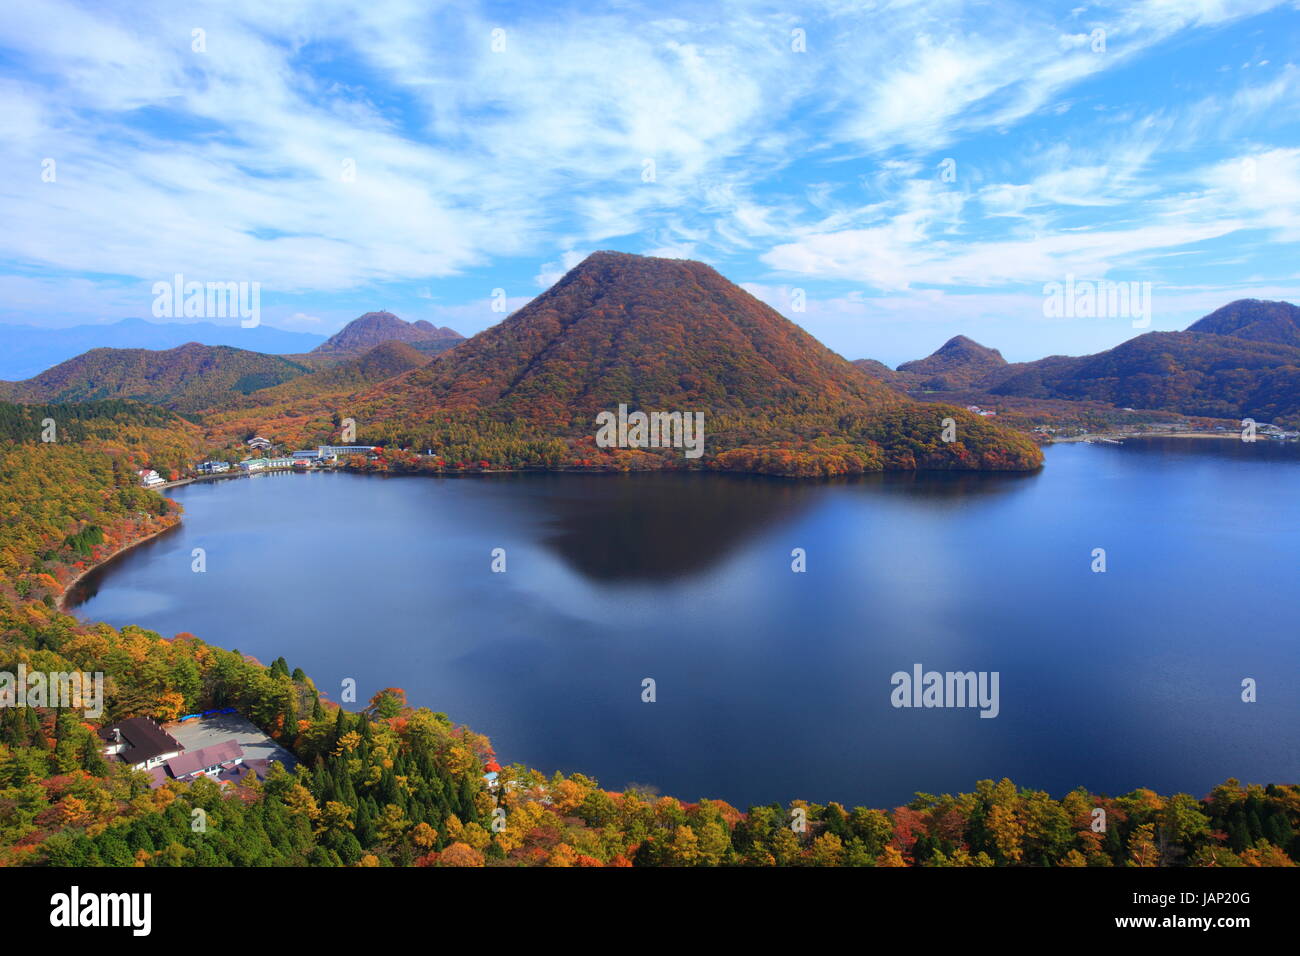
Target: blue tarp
<point>208,713</point>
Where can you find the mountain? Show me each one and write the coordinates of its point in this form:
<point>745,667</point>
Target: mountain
<point>958,363</point>
<point>646,332</point>
<point>674,335</point>
<point>1256,320</point>
<point>1193,373</point>
<point>342,378</point>
<point>27,350</point>
<point>185,379</point>
<point>875,369</point>
<point>1242,360</point>
<point>375,328</point>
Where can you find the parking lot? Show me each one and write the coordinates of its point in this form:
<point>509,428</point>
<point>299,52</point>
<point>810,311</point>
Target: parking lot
<point>206,731</point>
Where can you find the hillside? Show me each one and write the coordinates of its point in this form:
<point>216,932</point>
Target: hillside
<point>958,363</point>
<point>1242,360</point>
<point>1193,373</point>
<point>184,379</point>
<point>375,328</point>
<point>1255,320</point>
<point>341,378</point>
<point>668,334</point>
<point>876,369</point>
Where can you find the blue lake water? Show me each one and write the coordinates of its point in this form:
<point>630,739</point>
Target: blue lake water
<point>772,684</point>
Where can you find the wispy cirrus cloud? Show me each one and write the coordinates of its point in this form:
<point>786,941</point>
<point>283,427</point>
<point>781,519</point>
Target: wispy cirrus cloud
<point>334,151</point>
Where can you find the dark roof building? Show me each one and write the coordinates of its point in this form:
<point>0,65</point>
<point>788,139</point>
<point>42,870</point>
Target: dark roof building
<point>140,742</point>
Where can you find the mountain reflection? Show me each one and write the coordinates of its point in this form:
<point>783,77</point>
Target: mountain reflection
<point>657,527</point>
<point>941,485</point>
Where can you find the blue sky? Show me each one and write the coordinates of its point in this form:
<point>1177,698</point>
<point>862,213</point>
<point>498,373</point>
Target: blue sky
<point>494,145</point>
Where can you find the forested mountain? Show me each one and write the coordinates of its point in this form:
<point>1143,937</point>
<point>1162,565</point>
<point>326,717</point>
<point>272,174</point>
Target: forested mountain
<point>1193,373</point>
<point>186,379</point>
<point>342,378</point>
<point>27,350</point>
<point>669,334</point>
<point>375,328</point>
<point>649,332</point>
<point>875,369</point>
<point>958,363</point>
<point>1242,360</point>
<point>1256,320</point>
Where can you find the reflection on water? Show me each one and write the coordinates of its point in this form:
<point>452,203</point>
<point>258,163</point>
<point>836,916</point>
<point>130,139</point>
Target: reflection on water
<point>660,527</point>
<point>663,526</point>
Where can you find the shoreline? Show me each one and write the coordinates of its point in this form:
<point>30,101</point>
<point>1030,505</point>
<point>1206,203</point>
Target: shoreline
<point>179,482</point>
<point>1120,436</point>
<point>109,559</point>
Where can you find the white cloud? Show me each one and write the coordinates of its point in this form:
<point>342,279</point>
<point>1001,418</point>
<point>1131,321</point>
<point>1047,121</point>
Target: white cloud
<point>463,156</point>
<point>553,272</point>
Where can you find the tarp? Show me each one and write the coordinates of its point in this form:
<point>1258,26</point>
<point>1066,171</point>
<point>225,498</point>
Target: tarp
<point>207,713</point>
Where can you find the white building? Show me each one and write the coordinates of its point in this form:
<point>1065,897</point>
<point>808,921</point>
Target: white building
<point>140,742</point>
<point>342,451</point>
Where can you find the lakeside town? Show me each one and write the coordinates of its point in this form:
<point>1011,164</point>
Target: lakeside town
<point>323,456</point>
<point>333,456</point>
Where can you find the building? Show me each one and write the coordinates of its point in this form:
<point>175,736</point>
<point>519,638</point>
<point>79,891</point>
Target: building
<point>258,442</point>
<point>140,742</point>
<point>308,455</point>
<point>263,464</point>
<point>258,767</point>
<point>342,451</point>
<point>211,761</point>
<point>212,467</point>
<point>150,478</point>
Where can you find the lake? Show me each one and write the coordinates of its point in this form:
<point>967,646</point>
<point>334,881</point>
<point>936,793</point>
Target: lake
<point>772,684</point>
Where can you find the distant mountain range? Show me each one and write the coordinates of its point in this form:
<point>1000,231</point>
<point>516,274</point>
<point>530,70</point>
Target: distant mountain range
<point>194,377</point>
<point>189,378</point>
<point>27,350</point>
<point>1242,360</point>
<point>674,335</point>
